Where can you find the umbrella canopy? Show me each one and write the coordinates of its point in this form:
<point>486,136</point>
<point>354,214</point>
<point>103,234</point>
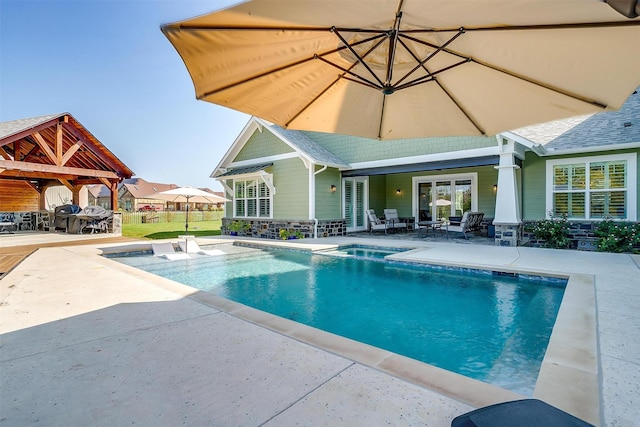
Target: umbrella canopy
<point>187,195</point>
<point>393,69</point>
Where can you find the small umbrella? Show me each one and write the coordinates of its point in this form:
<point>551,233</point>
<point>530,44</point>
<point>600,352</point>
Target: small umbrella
<point>393,69</point>
<point>187,194</point>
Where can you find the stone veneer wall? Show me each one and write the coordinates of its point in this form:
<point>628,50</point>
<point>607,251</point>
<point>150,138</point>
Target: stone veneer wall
<point>581,233</point>
<point>508,234</point>
<point>115,225</point>
<point>270,228</point>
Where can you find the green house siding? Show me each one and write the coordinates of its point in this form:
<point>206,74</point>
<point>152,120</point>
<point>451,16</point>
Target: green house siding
<point>353,149</point>
<point>327,203</point>
<point>402,202</point>
<point>533,187</point>
<point>378,193</point>
<point>534,181</point>
<point>291,180</point>
<point>262,144</point>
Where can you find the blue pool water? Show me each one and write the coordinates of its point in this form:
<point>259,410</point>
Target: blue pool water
<point>490,327</point>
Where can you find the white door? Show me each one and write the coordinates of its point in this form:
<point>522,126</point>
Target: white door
<point>354,203</point>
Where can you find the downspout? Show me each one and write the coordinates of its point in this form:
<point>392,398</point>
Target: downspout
<point>313,214</point>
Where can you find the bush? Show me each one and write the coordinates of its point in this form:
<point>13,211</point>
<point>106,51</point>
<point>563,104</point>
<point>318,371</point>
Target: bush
<point>615,236</point>
<point>554,232</point>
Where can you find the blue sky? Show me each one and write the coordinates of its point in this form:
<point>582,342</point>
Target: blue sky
<point>108,64</point>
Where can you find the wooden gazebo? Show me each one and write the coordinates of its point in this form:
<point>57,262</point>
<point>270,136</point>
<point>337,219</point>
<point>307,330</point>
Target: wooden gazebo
<point>51,150</point>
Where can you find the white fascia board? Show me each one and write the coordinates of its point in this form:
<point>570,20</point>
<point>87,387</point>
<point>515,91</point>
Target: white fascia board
<point>527,143</point>
<point>437,157</point>
<point>613,147</point>
<point>258,160</point>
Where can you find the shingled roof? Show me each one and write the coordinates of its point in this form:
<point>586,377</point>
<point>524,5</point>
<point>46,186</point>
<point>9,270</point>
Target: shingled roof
<point>608,129</point>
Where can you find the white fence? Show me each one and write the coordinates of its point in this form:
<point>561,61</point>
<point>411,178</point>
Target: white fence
<point>170,216</point>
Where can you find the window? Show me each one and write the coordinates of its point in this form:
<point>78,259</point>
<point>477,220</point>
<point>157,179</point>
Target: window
<point>593,187</point>
<point>252,199</point>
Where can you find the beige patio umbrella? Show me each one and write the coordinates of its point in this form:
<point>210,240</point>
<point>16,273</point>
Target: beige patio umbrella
<point>187,195</point>
<point>393,69</point>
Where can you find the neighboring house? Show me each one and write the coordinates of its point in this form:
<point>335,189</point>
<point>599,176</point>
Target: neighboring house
<point>321,184</point>
<point>133,196</point>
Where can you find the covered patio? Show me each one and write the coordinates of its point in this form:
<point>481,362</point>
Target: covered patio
<point>48,151</point>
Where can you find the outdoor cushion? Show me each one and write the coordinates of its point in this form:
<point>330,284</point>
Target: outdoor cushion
<point>519,413</point>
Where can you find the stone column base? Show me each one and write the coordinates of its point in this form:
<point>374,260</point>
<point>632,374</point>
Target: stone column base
<point>508,234</point>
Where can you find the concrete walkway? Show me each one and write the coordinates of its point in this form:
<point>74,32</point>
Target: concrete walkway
<point>88,341</point>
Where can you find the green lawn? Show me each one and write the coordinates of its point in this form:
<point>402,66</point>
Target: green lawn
<point>168,230</point>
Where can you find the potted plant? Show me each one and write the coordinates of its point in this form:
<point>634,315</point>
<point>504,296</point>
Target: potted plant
<point>298,235</point>
<point>284,234</point>
<point>238,226</point>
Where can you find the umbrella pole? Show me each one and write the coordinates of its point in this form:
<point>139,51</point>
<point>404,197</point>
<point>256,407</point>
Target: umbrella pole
<point>186,230</point>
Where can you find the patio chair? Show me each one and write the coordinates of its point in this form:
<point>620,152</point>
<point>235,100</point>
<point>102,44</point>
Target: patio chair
<point>375,223</point>
<point>393,221</point>
<point>166,250</point>
<point>191,247</point>
<point>526,412</point>
<point>470,222</point>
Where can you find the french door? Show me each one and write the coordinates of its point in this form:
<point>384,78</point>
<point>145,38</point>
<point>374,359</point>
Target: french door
<point>354,203</point>
<point>440,197</point>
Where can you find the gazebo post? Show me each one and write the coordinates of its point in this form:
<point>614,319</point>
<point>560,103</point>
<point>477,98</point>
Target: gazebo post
<point>113,189</point>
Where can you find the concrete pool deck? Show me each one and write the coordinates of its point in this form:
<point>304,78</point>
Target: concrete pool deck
<point>86,340</point>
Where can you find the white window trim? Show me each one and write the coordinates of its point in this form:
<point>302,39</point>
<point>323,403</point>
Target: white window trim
<point>450,177</point>
<point>632,181</point>
<point>268,180</point>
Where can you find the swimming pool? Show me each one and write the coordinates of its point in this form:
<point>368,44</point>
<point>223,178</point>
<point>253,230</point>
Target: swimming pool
<point>490,327</point>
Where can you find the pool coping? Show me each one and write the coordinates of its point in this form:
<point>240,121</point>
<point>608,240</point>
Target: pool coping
<point>569,376</point>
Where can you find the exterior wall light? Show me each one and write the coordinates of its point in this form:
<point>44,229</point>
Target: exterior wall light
<point>333,188</point>
<point>398,192</point>
<point>495,188</point>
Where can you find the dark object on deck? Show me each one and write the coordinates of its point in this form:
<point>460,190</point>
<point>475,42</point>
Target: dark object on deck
<point>519,413</point>
<point>628,8</point>
<point>73,220</point>
<point>62,214</point>
<point>95,218</point>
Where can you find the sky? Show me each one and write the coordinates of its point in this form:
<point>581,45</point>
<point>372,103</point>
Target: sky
<point>107,63</point>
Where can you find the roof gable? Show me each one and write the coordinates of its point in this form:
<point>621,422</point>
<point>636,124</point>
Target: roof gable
<point>56,146</point>
<point>303,146</point>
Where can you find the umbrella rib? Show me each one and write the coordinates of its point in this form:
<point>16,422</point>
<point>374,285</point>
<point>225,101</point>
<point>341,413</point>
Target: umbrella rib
<point>578,25</point>
<point>462,110</point>
<point>286,66</point>
<point>358,57</point>
<point>539,83</point>
<point>176,27</point>
<point>329,86</point>
<point>434,53</point>
<point>432,76</point>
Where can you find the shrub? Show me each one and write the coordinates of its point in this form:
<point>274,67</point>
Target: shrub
<point>554,232</point>
<point>615,236</point>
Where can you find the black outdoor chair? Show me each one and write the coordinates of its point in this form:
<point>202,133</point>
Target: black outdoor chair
<point>519,413</point>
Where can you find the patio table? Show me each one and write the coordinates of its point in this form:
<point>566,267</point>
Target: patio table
<point>433,225</point>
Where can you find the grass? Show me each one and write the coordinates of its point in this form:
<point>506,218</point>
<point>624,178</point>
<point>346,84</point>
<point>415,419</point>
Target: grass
<point>168,230</point>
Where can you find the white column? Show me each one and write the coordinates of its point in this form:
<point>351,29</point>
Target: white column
<point>508,196</point>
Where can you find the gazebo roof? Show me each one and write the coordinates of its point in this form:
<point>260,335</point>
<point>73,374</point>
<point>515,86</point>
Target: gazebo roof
<point>56,147</point>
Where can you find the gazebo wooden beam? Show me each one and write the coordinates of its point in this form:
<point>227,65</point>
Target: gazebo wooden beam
<point>63,170</point>
<point>45,148</point>
<point>12,173</point>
